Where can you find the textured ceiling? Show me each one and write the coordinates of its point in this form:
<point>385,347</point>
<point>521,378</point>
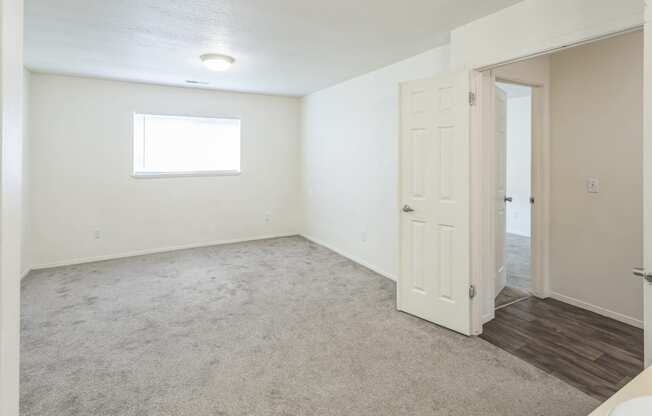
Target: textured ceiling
<point>288,47</point>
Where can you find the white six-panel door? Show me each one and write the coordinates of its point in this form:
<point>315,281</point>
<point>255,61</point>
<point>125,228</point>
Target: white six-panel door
<point>500,112</point>
<point>435,189</point>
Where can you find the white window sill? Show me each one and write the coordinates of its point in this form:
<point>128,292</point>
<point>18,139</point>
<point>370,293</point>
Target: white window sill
<point>154,175</point>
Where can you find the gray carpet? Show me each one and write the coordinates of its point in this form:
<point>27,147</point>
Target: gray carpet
<point>518,253</point>
<point>277,327</point>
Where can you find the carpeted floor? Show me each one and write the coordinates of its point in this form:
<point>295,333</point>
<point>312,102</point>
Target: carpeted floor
<point>518,251</point>
<point>519,275</point>
<point>276,327</point>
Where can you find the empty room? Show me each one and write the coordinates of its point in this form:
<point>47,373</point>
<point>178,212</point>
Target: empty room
<point>325,208</point>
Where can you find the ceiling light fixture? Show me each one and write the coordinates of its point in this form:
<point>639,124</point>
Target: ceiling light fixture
<point>216,62</point>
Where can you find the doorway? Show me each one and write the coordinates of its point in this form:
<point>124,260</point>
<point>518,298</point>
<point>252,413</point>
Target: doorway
<point>514,197</point>
<point>448,235</point>
<point>586,214</point>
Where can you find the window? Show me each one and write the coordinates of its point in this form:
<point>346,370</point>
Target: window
<point>172,145</point>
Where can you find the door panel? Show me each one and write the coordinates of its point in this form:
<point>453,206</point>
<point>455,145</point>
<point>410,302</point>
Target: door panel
<point>501,189</point>
<point>435,179</point>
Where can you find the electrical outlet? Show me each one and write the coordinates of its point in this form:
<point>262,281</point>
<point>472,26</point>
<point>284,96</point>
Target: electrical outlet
<point>97,234</point>
<point>268,217</point>
<point>363,236</point>
<point>592,185</point>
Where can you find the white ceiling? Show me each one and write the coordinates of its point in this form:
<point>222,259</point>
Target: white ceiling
<point>287,47</point>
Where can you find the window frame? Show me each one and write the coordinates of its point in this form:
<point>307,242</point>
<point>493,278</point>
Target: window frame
<point>179,174</point>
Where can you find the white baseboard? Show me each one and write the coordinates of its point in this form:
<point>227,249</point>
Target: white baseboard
<point>136,253</point>
<point>598,309</point>
<point>350,257</point>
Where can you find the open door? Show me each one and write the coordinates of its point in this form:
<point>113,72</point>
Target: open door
<point>435,281</point>
<point>501,189</point>
<point>647,187</point>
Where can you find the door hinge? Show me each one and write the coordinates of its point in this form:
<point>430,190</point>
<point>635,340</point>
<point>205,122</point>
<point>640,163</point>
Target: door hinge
<point>471,291</point>
<point>472,98</point>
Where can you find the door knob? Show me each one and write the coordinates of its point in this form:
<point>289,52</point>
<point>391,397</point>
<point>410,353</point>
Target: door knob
<point>639,272</point>
<point>509,199</point>
<point>408,208</point>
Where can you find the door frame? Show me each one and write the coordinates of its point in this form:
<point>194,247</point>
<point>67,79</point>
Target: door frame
<point>540,163</point>
<point>483,172</point>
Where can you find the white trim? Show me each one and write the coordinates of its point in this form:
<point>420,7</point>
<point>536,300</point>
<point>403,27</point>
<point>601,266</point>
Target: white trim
<point>153,175</point>
<point>350,257</point>
<point>628,27</point>
<point>564,28</point>
<point>540,171</point>
<point>186,117</point>
<point>138,140</point>
<point>483,174</point>
<point>597,309</point>
<point>136,253</point>
<point>483,118</point>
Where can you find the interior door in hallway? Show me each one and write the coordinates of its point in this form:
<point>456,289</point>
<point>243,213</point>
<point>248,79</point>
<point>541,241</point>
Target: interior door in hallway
<point>434,280</point>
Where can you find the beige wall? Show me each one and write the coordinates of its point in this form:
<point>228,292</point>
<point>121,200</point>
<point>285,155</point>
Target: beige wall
<point>596,126</point>
<point>80,172</point>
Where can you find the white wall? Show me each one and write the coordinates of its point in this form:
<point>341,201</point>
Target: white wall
<point>597,121</point>
<point>350,162</point>
<point>11,198</point>
<point>519,157</point>
<point>26,262</point>
<point>535,26</point>
<point>80,156</point>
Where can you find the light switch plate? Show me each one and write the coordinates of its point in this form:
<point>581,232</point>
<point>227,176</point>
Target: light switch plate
<point>592,185</point>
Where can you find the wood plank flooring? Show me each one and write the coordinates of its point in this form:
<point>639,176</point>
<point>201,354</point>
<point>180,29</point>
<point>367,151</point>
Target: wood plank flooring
<point>595,354</point>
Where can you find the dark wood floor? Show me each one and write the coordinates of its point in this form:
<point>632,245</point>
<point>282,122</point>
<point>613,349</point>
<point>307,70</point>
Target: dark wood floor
<point>595,354</point>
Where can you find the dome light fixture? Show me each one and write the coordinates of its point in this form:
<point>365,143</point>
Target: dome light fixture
<point>217,62</point>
